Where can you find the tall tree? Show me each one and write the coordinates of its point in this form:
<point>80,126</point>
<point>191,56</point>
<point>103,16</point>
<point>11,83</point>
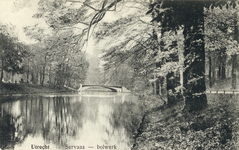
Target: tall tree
<point>189,15</point>
<point>234,55</point>
<point>12,55</point>
<point>220,38</point>
<point>172,15</point>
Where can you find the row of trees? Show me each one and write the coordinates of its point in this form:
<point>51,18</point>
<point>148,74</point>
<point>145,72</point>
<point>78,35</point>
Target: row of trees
<point>56,60</point>
<point>57,56</point>
<point>221,30</point>
<point>12,52</point>
<point>160,42</point>
<point>172,47</point>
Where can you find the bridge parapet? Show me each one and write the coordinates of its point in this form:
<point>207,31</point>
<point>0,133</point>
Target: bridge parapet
<point>118,89</point>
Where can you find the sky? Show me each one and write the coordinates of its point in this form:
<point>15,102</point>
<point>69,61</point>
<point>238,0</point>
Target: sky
<point>19,14</point>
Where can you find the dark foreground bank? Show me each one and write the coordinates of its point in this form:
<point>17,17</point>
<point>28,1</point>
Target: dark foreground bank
<point>167,128</point>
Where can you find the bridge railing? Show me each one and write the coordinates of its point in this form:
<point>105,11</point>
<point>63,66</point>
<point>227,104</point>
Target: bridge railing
<point>113,88</point>
<point>223,91</point>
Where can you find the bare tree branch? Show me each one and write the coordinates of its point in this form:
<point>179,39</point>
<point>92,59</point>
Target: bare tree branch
<point>91,7</point>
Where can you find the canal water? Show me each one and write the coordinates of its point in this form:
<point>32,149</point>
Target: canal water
<point>89,120</point>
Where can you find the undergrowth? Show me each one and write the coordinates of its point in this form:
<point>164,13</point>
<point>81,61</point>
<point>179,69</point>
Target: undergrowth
<point>216,127</point>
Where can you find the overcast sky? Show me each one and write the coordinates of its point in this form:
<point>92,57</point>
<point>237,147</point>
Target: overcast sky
<point>19,14</point>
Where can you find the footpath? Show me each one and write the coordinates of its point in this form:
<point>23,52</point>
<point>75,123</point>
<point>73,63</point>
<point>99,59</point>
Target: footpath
<point>223,87</point>
<point>169,128</point>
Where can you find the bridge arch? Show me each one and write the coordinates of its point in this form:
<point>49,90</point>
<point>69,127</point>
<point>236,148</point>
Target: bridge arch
<point>85,87</point>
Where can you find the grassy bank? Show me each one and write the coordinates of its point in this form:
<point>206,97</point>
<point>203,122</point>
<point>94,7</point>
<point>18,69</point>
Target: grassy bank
<point>25,88</point>
<point>216,127</point>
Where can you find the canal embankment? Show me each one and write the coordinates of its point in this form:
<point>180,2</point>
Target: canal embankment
<point>167,127</point>
<point>25,88</point>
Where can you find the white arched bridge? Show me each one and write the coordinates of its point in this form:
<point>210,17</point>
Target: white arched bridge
<point>112,88</point>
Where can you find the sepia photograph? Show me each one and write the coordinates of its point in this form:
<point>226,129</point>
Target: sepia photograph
<point>119,74</point>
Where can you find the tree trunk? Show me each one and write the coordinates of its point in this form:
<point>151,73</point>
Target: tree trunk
<point>54,84</point>
<point>50,75</point>
<point>2,64</point>
<point>213,76</point>
<point>194,79</point>
<point>219,72</point>
<point>1,84</point>
<point>2,70</point>
<point>28,70</point>
<point>43,71</point>
<point>12,77</point>
<point>171,85</point>
<point>160,88</point>
<point>37,77</point>
<point>210,70</point>
<point>181,63</point>
<point>155,40</point>
<point>155,82</point>
<point>40,72</point>
<point>234,75</point>
<point>33,79</point>
<point>43,75</point>
<point>223,71</point>
<point>234,59</point>
<point>170,79</point>
<point>69,80</point>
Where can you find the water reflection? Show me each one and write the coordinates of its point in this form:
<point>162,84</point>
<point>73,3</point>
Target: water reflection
<point>86,120</point>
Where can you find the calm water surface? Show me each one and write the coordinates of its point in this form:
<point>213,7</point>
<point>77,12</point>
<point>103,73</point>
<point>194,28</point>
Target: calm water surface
<point>90,120</point>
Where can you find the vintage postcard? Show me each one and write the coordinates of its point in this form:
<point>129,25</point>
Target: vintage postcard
<point>119,74</point>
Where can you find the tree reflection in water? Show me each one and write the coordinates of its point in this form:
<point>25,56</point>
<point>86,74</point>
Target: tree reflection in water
<point>61,121</point>
<point>7,130</point>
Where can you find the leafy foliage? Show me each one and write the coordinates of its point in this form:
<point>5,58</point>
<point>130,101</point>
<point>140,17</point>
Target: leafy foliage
<point>214,128</point>
<point>60,57</point>
<point>219,29</point>
<point>12,52</point>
